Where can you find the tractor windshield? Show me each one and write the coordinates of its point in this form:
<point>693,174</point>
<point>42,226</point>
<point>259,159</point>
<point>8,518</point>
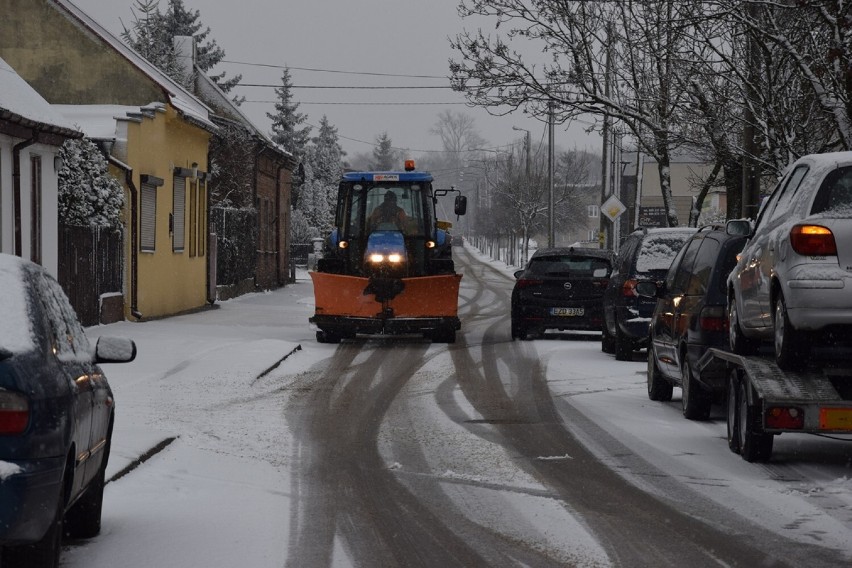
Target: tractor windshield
<point>389,207</point>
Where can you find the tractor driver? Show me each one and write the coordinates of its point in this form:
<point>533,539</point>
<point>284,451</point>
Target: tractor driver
<point>388,212</point>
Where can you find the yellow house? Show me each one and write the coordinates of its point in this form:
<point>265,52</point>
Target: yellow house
<point>154,132</point>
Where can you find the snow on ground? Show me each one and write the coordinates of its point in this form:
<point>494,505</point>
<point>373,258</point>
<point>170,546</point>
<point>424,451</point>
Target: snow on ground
<point>217,496</point>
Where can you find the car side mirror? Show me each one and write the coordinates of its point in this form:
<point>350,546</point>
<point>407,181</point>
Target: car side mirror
<point>115,350</point>
<point>461,205</point>
<point>738,227</point>
<point>518,274</point>
<point>647,289</point>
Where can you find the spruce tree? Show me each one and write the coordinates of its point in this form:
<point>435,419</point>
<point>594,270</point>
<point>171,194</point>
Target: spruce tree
<point>88,194</point>
<point>286,121</point>
<point>384,154</point>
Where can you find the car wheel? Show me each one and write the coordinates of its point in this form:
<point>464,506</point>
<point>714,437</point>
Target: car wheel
<point>83,519</point>
<point>659,388</point>
<point>792,347</point>
<point>733,413</point>
<point>739,343</point>
<point>755,446</point>
<point>623,345</point>
<point>518,331</point>
<point>695,401</point>
<point>607,340</point>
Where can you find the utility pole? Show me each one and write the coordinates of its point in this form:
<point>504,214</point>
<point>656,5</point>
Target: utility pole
<point>551,230</point>
<point>606,243</point>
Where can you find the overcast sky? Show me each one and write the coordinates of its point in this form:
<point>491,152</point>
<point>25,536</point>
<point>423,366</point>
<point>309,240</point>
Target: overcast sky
<point>400,37</point>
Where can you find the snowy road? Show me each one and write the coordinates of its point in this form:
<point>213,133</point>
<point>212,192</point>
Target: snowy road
<point>487,452</point>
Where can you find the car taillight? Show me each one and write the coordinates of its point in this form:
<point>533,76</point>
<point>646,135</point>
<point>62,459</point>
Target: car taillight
<point>713,318</point>
<point>813,240</point>
<point>527,282</point>
<point>14,412</point>
<point>629,288</point>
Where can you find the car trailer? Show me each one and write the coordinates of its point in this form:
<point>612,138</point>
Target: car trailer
<point>765,401</point>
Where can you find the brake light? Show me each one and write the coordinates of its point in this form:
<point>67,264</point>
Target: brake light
<point>14,412</point>
<point>713,318</point>
<point>629,288</point>
<point>527,282</point>
<point>813,240</point>
<point>786,418</point>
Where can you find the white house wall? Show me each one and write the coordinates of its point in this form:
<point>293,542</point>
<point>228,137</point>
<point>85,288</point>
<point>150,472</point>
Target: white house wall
<point>49,202</point>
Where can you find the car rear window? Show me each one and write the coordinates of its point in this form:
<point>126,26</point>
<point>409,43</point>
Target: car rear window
<point>835,194</point>
<point>658,251</point>
<point>570,264</point>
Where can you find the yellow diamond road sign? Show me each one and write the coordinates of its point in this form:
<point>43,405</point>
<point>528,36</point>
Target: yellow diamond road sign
<point>613,208</point>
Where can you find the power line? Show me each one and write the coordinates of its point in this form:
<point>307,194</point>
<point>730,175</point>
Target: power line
<point>343,87</point>
<point>336,70</point>
<point>362,104</point>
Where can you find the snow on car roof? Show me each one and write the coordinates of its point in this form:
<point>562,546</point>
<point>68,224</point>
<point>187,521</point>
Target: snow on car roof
<point>16,333</point>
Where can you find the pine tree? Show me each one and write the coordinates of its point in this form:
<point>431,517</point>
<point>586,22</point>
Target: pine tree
<point>286,120</point>
<point>152,36</point>
<point>88,194</point>
<point>384,154</point>
<point>318,195</point>
<point>148,36</point>
<point>179,21</point>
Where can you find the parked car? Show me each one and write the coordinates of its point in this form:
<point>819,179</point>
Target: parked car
<point>560,288</point>
<point>691,317</point>
<point>794,279</point>
<point>56,417</point>
<point>646,254</point>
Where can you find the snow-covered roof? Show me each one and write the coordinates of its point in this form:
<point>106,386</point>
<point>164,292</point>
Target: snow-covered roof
<point>185,102</point>
<point>208,88</point>
<point>19,102</point>
<point>99,121</point>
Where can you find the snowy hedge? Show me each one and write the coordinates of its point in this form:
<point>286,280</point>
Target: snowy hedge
<point>88,194</point>
<point>236,239</point>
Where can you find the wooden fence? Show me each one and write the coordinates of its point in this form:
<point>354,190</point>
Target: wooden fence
<point>90,271</point>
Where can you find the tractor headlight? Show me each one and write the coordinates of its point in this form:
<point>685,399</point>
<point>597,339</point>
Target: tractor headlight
<point>395,258</point>
<point>377,258</point>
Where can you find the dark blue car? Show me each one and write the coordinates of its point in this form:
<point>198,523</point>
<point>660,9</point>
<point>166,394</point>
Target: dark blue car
<point>56,418</point>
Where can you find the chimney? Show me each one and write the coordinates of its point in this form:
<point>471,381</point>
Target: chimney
<point>186,54</point>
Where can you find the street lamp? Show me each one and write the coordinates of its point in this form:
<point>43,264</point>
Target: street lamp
<point>526,145</point>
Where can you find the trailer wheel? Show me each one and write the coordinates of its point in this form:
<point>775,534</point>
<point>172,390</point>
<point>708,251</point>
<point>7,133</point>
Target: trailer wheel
<point>791,346</point>
<point>733,413</point>
<point>659,389</point>
<point>695,401</point>
<point>446,335</point>
<point>755,446</point>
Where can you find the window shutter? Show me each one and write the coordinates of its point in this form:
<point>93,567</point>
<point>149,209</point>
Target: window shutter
<point>179,214</point>
<point>148,214</point>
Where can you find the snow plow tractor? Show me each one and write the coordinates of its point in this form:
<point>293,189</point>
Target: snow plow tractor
<point>387,266</point>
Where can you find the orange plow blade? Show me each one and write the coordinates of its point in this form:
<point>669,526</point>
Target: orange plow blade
<point>425,296</point>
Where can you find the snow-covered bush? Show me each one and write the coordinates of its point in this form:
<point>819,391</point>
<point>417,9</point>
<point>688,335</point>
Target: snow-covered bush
<point>88,194</point>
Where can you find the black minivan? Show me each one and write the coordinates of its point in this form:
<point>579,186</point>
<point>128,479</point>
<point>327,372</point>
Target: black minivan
<point>691,317</point>
<point>646,254</point>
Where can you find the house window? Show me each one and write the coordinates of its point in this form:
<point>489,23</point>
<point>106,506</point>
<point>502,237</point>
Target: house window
<point>201,215</point>
<point>178,213</point>
<point>35,209</point>
<point>193,218</point>
<point>593,210</point>
<point>592,236</point>
<point>148,213</point>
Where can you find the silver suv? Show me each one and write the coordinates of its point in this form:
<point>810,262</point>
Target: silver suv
<point>794,277</point>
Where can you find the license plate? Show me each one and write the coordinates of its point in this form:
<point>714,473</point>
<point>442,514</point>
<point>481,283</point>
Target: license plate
<point>835,419</point>
<point>567,311</point>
